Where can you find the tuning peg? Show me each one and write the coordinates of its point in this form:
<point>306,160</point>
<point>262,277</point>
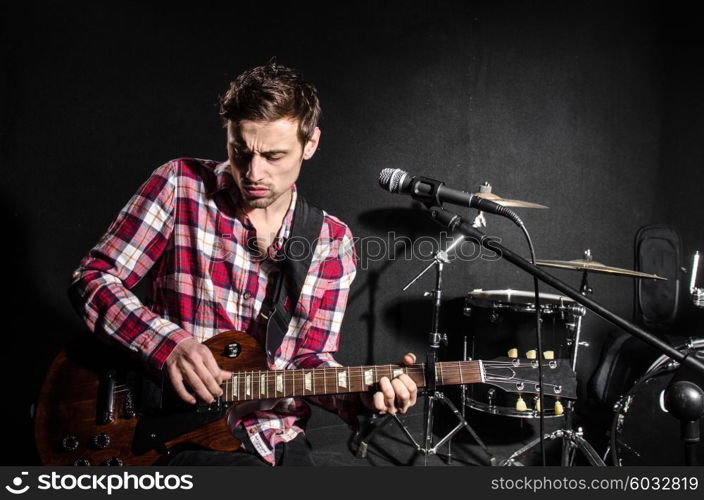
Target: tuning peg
<point>513,353</point>
<point>559,410</point>
<point>521,404</point>
<point>532,354</point>
<point>549,354</point>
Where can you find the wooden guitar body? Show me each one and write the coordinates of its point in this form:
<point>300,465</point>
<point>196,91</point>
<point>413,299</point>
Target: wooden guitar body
<point>70,430</point>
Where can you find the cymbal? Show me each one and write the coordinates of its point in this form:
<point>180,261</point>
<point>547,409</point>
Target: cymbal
<point>595,267</point>
<point>508,203</point>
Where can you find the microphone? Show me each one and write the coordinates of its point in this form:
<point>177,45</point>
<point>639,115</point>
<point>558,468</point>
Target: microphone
<point>433,192</point>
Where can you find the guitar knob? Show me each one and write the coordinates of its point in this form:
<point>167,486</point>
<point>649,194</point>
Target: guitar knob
<point>521,404</point>
<point>70,443</point>
<point>232,350</point>
<point>81,462</point>
<point>513,353</point>
<point>114,462</point>
<point>559,410</point>
<point>549,354</point>
<point>532,354</point>
<point>100,441</point>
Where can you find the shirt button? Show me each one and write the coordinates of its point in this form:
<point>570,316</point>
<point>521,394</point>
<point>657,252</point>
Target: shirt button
<point>247,295</point>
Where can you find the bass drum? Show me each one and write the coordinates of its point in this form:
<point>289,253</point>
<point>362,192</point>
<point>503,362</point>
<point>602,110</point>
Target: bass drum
<point>643,432</point>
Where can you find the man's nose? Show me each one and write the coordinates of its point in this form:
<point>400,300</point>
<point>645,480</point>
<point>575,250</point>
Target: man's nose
<point>255,170</point>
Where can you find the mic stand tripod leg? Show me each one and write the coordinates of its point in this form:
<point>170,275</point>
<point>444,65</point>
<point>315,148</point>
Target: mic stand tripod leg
<point>463,424</point>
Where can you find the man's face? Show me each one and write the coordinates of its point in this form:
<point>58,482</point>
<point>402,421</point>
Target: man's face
<point>265,159</point>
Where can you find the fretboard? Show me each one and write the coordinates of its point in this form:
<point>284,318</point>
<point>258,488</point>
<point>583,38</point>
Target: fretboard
<point>249,385</point>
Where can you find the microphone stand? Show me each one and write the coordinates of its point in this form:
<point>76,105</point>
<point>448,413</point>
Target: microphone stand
<point>691,365</point>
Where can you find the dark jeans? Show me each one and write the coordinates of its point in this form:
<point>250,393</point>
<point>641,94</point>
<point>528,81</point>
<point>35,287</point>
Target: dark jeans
<point>296,452</point>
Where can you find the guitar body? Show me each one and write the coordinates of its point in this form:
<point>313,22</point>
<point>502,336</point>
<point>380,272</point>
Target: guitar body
<point>69,424</point>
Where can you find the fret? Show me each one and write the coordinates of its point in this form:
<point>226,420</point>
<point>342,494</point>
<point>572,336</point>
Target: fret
<point>248,385</point>
<point>235,387</point>
<point>325,381</point>
<point>459,365</point>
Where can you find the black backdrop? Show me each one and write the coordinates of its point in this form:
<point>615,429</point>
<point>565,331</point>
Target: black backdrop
<point>591,108</point>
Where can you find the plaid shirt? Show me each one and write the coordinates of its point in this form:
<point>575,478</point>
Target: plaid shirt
<point>183,228</point>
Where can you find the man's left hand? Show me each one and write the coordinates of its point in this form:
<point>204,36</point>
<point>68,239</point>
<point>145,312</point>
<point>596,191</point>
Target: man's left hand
<point>395,395</point>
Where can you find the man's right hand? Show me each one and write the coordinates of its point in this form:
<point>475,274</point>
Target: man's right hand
<point>191,363</point>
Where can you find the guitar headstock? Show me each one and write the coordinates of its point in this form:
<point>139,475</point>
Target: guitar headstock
<point>521,375</point>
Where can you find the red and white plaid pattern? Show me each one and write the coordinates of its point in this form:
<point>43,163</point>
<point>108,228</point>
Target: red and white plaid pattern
<point>182,227</point>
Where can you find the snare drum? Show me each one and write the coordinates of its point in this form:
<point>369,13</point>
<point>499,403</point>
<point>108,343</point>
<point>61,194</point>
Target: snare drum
<point>501,320</point>
<point>643,432</point>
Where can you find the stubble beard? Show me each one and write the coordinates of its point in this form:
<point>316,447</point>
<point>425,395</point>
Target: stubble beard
<point>259,202</point>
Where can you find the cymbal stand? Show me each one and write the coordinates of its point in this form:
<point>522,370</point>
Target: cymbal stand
<point>572,440</point>
<point>430,391</point>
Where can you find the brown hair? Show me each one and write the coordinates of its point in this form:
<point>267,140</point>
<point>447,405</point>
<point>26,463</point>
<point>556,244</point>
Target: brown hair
<point>271,92</point>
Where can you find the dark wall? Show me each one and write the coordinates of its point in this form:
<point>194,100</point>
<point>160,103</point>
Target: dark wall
<point>681,173</point>
<point>560,103</point>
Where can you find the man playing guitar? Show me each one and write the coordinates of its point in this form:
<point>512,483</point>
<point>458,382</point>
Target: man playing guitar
<point>213,238</point>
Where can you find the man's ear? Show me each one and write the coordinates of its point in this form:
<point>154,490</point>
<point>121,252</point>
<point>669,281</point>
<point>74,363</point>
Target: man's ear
<point>311,144</point>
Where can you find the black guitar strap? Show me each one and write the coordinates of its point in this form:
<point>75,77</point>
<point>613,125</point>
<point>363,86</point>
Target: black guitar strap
<point>298,254</point>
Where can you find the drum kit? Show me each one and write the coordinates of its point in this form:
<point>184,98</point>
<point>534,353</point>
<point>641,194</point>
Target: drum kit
<point>503,313</point>
<point>503,309</point>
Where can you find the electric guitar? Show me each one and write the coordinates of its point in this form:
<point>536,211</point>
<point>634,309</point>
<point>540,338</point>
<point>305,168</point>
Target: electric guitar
<point>97,407</point>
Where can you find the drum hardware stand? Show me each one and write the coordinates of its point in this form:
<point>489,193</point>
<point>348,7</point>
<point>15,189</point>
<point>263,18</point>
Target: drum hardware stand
<point>431,393</point>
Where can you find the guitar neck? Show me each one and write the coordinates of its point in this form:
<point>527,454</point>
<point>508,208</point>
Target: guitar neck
<point>265,384</point>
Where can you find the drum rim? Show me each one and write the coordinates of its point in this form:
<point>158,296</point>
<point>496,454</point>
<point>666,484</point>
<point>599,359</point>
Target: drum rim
<point>506,411</point>
<point>480,293</point>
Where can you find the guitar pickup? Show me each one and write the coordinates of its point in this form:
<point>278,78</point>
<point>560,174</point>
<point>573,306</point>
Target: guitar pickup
<point>214,407</point>
<point>106,397</point>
